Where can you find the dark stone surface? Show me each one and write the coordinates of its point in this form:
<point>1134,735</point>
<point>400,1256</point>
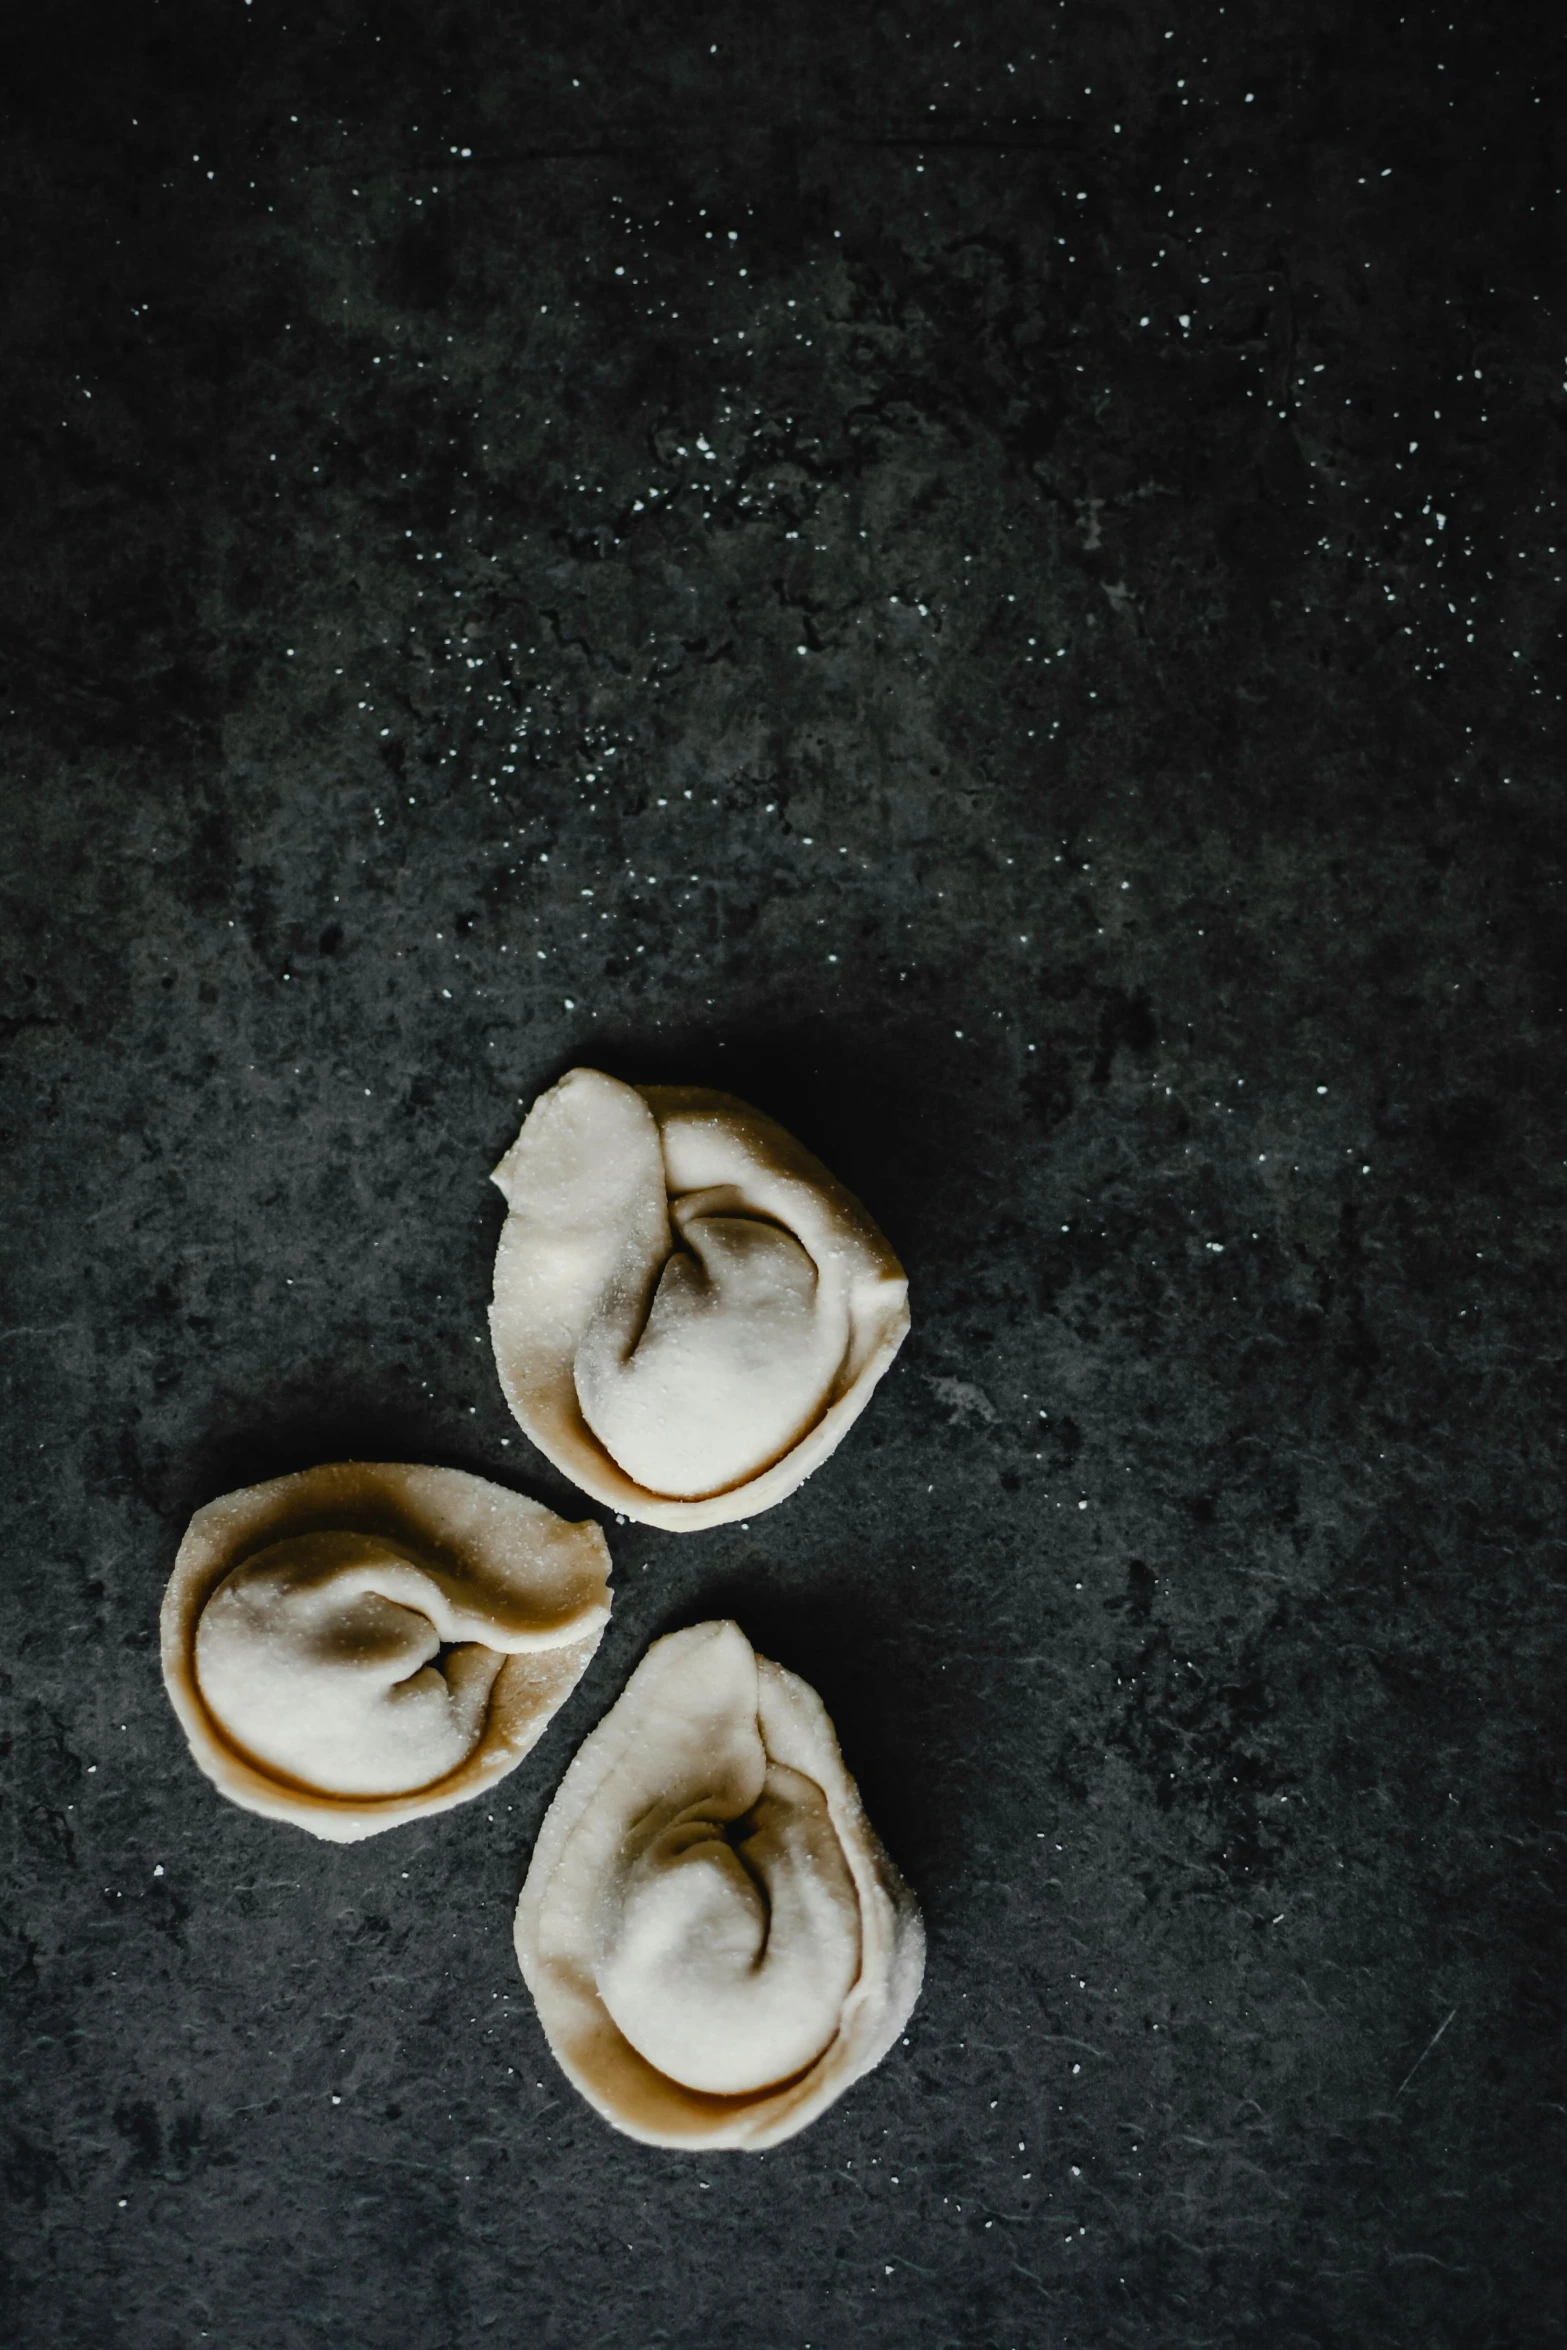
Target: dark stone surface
<point>1022,633</point>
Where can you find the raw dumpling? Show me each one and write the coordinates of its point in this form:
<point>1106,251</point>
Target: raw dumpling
<point>714,1938</point>
<point>364,1643</point>
<point>689,1311</point>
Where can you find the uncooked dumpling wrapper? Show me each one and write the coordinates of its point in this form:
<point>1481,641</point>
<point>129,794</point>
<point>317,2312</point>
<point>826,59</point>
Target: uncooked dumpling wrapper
<point>367,1642</point>
<point>689,1311</point>
<point>715,1940</point>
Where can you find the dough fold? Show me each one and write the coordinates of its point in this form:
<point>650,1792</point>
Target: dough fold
<point>714,1938</point>
<point>367,1642</point>
<point>689,1311</point>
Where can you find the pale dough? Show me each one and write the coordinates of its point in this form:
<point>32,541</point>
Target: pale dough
<point>716,1942</point>
<point>689,1311</point>
<point>368,1642</point>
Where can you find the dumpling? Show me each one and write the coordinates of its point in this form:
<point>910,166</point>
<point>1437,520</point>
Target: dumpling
<point>689,1311</point>
<point>364,1643</point>
<point>716,1942</point>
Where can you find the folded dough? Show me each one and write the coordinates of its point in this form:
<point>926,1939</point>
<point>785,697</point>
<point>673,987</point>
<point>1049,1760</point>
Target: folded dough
<point>364,1643</point>
<point>689,1311</point>
<point>714,1938</point>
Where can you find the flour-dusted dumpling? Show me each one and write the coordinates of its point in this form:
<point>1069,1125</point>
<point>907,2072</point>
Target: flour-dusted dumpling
<point>363,1643</point>
<point>715,1940</point>
<point>689,1310</point>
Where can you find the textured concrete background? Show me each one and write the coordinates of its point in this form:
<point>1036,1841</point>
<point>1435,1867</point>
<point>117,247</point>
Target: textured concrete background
<point>988,579</point>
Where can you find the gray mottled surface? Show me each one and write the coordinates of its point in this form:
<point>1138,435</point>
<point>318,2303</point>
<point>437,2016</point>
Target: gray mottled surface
<point>1020,633</point>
